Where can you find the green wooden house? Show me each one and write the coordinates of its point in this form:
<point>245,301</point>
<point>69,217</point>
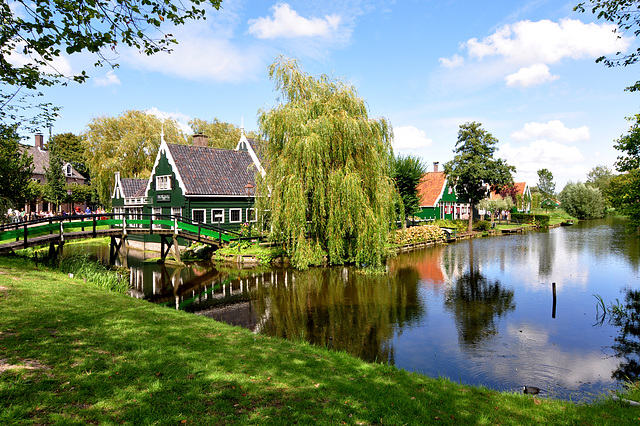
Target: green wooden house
<point>197,182</point>
<point>438,200</point>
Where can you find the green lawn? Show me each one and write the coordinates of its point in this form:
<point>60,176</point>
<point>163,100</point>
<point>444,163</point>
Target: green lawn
<point>74,354</point>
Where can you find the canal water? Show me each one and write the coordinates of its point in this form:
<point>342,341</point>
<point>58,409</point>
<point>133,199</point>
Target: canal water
<point>481,311</point>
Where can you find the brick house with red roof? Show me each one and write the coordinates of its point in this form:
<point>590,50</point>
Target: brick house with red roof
<point>438,200</point>
<point>40,156</point>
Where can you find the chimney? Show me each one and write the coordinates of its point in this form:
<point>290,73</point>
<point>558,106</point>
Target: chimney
<point>39,141</point>
<point>435,166</point>
<point>200,140</point>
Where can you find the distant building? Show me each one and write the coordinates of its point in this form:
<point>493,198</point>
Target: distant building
<point>40,157</point>
<point>438,200</point>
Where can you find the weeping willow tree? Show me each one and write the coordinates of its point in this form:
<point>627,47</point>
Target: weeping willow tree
<point>327,187</point>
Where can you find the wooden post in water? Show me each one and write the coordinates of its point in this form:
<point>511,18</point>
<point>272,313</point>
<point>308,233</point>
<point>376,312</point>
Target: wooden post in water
<point>553,309</point>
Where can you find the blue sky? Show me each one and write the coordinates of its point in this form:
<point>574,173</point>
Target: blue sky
<point>524,69</point>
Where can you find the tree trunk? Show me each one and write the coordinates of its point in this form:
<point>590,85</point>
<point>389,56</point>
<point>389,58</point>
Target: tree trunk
<point>470,227</point>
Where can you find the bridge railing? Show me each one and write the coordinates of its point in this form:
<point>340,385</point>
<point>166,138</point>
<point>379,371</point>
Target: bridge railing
<point>124,221</point>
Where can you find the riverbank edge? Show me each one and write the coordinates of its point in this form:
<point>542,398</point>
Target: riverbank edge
<point>107,358</point>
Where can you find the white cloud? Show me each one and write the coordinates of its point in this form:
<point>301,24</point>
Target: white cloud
<point>410,138</point>
<point>533,75</point>
<point>547,42</point>
<point>60,65</point>
<point>201,55</point>
<point>553,130</point>
<point>454,62</point>
<point>181,119</point>
<point>108,80</point>
<point>287,23</point>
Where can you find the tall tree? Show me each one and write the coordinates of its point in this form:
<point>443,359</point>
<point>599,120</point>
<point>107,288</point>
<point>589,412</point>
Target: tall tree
<point>34,35</point>
<point>69,148</point>
<point>16,167</point>
<point>624,194</point>
<point>328,178</point>
<point>546,185</point>
<point>582,201</point>
<point>474,168</point>
<point>625,14</point>
<point>128,144</point>
<point>55,190</point>
<point>407,172</point>
<point>600,177</point>
<point>629,144</point>
<point>221,135</point>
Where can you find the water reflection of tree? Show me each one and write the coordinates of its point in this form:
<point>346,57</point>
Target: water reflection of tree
<point>476,302</point>
<point>627,343</point>
<point>341,308</point>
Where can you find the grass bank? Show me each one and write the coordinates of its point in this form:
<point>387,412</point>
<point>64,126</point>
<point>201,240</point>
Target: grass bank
<point>71,353</point>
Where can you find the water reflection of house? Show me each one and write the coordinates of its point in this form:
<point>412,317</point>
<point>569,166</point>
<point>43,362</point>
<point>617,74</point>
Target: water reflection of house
<point>428,263</point>
<point>438,199</point>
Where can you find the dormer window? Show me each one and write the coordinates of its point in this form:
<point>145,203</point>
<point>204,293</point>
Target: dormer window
<point>67,170</point>
<point>163,183</point>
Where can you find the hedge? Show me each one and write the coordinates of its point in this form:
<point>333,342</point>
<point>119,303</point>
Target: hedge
<point>539,219</point>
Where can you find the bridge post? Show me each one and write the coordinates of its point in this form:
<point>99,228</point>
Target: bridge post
<point>24,238</point>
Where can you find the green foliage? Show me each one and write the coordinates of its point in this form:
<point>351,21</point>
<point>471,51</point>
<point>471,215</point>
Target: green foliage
<point>80,194</point>
<point>459,224</point>
<point>624,14</point>
<point>128,143</point>
<point>482,225</point>
<point>407,172</point>
<point>624,194</point>
<point>55,189</point>
<point>474,167</point>
<point>629,144</point>
<point>69,148</point>
<point>546,185</point>
<point>33,192</point>
<point>417,234</point>
<point>16,167</point>
<point>221,135</point>
<point>582,201</point>
<point>41,32</point>
<point>495,206</point>
<point>95,273</point>
<point>328,178</point>
<point>538,219</point>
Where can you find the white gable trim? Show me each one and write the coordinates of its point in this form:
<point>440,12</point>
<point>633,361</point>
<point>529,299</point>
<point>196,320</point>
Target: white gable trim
<point>164,148</point>
<point>252,153</point>
<point>117,188</point>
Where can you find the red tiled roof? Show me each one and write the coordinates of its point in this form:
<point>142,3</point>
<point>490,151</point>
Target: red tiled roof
<point>520,187</point>
<point>430,188</point>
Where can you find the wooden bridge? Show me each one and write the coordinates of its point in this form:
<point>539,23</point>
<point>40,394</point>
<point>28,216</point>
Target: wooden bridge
<point>56,230</point>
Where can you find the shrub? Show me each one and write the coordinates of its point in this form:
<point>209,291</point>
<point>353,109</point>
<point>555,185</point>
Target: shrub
<point>539,219</point>
<point>482,225</point>
<point>417,234</point>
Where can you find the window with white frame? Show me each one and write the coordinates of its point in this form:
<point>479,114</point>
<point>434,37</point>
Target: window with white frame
<point>163,183</point>
<point>235,215</point>
<point>217,215</point>
<point>157,215</point>
<point>176,212</point>
<point>251,215</point>
<point>198,215</point>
